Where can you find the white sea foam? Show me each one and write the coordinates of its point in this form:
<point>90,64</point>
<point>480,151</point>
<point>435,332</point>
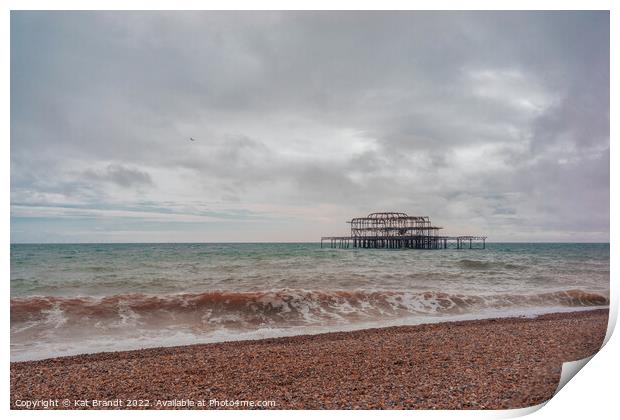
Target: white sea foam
<point>175,337</point>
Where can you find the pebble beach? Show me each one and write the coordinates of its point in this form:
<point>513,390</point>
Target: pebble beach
<point>482,364</point>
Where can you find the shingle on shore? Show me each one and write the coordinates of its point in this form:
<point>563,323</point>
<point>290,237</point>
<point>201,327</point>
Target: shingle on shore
<point>496,363</point>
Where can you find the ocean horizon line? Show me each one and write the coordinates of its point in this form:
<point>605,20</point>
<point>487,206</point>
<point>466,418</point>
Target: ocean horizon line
<point>271,242</point>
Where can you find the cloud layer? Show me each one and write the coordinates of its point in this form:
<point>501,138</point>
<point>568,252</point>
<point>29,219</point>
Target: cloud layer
<point>489,122</point>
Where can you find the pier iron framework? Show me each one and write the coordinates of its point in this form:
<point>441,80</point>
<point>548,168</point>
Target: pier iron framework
<point>398,230</point>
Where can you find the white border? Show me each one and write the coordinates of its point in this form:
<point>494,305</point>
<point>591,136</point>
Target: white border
<point>592,394</point>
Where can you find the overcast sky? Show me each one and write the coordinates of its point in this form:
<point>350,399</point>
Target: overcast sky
<point>489,123</point>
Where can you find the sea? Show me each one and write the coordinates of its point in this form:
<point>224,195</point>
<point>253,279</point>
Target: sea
<point>69,299</point>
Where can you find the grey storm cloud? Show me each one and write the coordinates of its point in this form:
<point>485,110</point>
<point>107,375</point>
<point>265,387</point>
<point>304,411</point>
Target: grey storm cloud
<point>489,122</point>
<point>119,175</point>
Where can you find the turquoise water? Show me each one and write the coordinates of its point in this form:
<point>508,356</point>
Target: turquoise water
<point>68,299</point>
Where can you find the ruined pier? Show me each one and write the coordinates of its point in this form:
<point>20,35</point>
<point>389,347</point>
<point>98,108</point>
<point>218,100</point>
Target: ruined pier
<point>398,230</point>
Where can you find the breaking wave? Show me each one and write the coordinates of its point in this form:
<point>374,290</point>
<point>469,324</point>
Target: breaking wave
<point>280,308</point>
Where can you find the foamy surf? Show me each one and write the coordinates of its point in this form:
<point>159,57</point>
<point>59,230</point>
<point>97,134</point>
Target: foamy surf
<point>46,326</point>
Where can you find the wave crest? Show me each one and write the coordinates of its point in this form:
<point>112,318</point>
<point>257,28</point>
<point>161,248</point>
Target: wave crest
<point>269,308</point>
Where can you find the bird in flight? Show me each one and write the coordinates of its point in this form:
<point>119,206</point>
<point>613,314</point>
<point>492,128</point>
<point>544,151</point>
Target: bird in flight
<point>192,139</point>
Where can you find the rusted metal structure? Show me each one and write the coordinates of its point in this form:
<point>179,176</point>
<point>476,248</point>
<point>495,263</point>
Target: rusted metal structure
<point>398,230</point>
